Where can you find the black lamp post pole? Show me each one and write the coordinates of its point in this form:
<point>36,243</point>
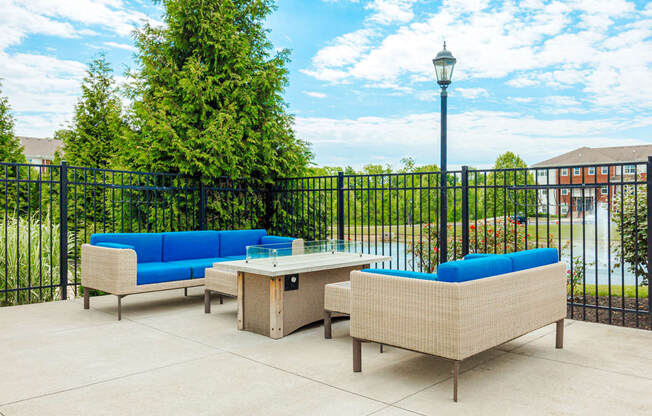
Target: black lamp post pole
<point>443,235</point>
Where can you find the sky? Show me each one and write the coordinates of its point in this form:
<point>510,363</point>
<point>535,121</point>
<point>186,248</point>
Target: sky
<point>535,77</point>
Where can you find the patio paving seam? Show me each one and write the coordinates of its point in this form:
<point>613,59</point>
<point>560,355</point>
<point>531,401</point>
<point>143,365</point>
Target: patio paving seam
<point>83,386</point>
<point>394,407</point>
<point>579,365</point>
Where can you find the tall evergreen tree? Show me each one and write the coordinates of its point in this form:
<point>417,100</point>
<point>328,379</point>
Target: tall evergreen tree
<point>207,96</point>
<point>10,148</point>
<point>92,138</point>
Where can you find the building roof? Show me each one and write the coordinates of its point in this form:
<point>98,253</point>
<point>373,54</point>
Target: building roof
<point>40,148</point>
<point>591,156</point>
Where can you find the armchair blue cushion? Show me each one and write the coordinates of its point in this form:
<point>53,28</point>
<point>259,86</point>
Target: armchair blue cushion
<point>403,273</point>
<point>185,245</point>
<point>234,243</point>
<point>116,245</point>
<point>197,266</point>
<point>462,271</point>
<point>158,272</point>
<point>528,259</point>
<point>148,246</point>
<point>281,242</point>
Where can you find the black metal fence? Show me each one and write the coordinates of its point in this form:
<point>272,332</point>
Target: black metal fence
<point>597,216</point>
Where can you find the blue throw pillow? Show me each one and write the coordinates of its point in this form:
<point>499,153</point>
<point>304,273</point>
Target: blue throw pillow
<point>537,257</point>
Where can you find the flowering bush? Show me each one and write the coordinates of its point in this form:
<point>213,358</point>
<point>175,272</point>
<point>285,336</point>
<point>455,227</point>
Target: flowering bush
<point>501,237</point>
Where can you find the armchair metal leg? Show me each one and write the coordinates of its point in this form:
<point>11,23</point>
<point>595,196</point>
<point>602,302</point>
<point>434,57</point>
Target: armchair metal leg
<point>381,348</point>
<point>120,306</point>
<point>221,299</point>
<point>87,298</point>
<point>560,334</point>
<point>185,291</point>
<point>327,325</point>
<point>456,373</point>
<point>357,355</point>
<point>207,301</point>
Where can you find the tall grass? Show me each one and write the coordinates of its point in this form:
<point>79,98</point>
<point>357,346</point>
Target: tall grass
<point>29,260</point>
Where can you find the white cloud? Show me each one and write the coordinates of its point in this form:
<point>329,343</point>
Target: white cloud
<point>391,11</point>
<point>475,137</point>
<point>472,93</point>
<point>315,94</point>
<point>522,99</point>
<point>124,46</point>
<point>557,44</point>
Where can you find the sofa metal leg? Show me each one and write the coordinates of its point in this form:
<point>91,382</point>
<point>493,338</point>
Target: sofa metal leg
<point>207,301</point>
<point>120,306</point>
<point>456,373</point>
<point>560,334</point>
<point>357,355</point>
<point>221,299</point>
<point>185,291</point>
<point>381,348</point>
<point>327,325</point>
<point>87,298</point>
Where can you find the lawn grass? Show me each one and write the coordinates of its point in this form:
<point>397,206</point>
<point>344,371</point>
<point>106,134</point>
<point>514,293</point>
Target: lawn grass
<point>616,290</point>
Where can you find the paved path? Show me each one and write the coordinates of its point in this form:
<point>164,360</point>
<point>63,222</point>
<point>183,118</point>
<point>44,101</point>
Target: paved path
<point>166,357</point>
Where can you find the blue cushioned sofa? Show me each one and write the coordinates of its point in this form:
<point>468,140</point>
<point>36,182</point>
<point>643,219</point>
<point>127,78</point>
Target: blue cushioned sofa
<point>467,307</point>
<point>128,263</point>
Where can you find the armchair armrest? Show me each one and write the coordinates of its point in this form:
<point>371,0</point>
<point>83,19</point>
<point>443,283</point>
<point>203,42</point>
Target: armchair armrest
<point>111,270</point>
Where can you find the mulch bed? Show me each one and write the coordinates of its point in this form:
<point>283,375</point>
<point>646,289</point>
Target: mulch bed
<point>588,314</point>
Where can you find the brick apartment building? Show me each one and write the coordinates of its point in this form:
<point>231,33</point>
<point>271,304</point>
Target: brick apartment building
<point>602,166</point>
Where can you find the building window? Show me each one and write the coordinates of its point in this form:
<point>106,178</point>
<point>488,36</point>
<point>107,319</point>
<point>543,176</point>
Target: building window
<point>542,173</point>
<point>604,170</point>
<point>604,190</point>
<point>564,172</point>
<point>564,191</point>
<point>576,171</point>
<point>564,209</point>
<point>630,169</point>
<point>591,171</point>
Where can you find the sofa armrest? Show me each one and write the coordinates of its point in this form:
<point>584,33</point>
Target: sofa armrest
<point>419,315</point>
<point>111,270</point>
<point>500,308</point>
<point>456,320</point>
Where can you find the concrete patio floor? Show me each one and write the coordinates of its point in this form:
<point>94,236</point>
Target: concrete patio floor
<point>166,357</point>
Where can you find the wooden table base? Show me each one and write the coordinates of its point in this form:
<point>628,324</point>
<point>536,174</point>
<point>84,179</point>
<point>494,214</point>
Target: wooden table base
<point>266,308</point>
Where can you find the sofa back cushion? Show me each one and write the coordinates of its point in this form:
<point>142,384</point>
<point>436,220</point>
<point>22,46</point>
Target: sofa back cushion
<point>234,242</point>
<point>462,271</point>
<point>278,242</point>
<point>528,259</point>
<point>184,245</point>
<point>403,273</point>
<point>148,246</point>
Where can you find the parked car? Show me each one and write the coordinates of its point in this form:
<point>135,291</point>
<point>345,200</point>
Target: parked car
<point>519,219</point>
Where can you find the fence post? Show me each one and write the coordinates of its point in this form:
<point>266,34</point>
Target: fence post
<point>648,180</point>
<point>465,210</point>
<point>340,205</point>
<point>202,205</point>
<point>63,230</point>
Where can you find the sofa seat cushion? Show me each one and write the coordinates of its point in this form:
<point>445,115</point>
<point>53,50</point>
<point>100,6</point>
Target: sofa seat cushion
<point>148,246</point>
<point>116,245</point>
<point>183,245</point>
<point>234,242</point>
<point>197,267</point>
<point>462,271</point>
<point>537,257</point>
<point>403,273</point>
<point>159,272</point>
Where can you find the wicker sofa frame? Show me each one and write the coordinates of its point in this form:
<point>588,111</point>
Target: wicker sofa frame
<point>455,320</point>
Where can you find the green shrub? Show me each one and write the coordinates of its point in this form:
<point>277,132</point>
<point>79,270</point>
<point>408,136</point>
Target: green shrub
<point>29,259</point>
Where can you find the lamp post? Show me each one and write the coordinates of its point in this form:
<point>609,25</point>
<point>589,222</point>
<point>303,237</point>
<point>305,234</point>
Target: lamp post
<point>444,63</point>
